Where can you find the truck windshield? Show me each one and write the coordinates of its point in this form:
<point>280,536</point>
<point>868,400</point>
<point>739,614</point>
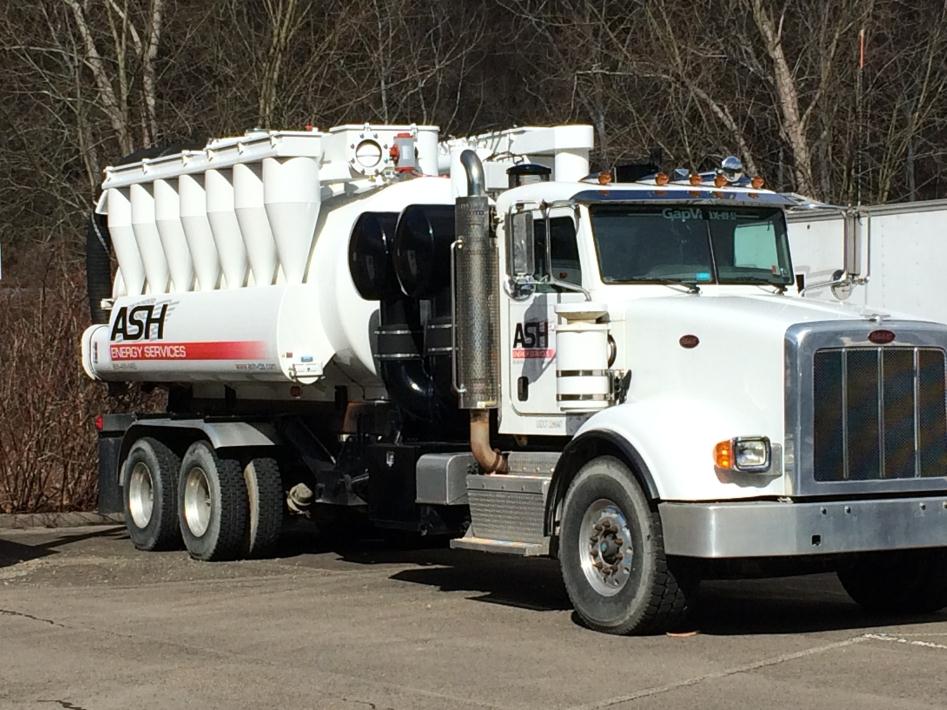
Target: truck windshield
<point>727,245</point>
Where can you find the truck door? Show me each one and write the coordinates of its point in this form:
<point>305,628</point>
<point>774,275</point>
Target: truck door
<point>533,319</point>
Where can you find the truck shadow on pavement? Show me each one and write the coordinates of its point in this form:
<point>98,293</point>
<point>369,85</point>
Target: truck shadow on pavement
<point>533,584</point>
<point>786,605</point>
<point>13,553</point>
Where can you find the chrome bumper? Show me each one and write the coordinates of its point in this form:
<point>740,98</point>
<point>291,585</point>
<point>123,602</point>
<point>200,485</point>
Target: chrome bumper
<point>770,528</point>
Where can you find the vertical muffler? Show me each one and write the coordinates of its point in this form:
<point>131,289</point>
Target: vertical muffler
<point>474,284</point>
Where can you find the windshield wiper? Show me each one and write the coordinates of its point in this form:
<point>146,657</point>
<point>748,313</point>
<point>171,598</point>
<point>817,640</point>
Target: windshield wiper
<point>780,286</point>
<point>689,285</point>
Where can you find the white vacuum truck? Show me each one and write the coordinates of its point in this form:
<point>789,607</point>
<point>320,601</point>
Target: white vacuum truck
<point>476,338</point>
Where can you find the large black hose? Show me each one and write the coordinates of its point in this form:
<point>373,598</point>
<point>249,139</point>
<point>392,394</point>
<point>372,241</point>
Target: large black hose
<point>98,265</point>
<point>400,359</point>
<point>413,358</point>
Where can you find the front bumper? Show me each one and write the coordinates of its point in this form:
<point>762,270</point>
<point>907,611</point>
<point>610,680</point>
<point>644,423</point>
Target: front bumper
<point>775,529</point>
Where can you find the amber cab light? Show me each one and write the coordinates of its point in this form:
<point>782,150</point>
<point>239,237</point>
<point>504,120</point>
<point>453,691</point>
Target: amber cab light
<point>723,455</point>
<point>881,337</point>
<point>661,179</point>
<point>694,179</point>
<point>720,181</point>
<point>757,183</point>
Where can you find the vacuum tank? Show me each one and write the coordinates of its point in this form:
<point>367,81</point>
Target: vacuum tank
<point>232,261</point>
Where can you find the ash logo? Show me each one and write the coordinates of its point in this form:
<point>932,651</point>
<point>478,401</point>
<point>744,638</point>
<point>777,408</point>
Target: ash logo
<point>140,322</point>
<point>532,334</point>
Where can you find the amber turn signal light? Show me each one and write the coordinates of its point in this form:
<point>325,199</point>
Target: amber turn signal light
<point>723,455</point>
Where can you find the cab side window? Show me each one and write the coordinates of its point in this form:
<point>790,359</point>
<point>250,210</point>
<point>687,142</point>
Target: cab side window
<point>565,251</point>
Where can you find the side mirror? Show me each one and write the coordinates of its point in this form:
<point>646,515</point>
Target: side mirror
<point>521,253</point>
<point>853,244</point>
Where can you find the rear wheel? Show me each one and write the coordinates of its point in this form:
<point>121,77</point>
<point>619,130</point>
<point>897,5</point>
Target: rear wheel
<point>265,505</point>
<point>149,493</point>
<point>906,582</point>
<point>612,556</point>
<point>212,504</point>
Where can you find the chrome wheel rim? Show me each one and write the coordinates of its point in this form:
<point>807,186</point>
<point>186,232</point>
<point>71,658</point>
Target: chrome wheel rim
<point>605,550</point>
<point>197,501</point>
<point>141,495</point>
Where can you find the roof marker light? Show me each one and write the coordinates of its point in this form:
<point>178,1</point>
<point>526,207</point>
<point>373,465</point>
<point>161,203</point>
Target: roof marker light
<point>661,179</point>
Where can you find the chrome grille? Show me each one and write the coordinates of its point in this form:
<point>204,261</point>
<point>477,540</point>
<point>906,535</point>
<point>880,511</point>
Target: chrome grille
<point>879,413</point>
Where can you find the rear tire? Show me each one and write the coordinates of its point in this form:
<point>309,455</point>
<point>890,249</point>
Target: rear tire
<point>212,504</point>
<point>611,552</point>
<point>265,500</point>
<point>149,495</point>
<point>904,582</point>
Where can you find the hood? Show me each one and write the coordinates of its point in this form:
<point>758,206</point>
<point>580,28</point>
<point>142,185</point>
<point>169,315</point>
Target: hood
<point>727,380</point>
<point>740,343</point>
<point>756,312</point>
<point>732,383</point>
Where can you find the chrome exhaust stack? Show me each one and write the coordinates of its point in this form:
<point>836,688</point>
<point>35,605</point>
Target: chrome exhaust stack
<point>474,283</point>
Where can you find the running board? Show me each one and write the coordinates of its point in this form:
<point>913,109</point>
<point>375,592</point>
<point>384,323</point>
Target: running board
<point>502,547</point>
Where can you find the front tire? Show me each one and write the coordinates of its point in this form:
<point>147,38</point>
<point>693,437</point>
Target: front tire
<point>611,552</point>
<point>149,495</point>
<point>212,504</point>
<point>905,582</point>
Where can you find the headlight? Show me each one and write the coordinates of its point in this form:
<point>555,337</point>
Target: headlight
<point>750,454</point>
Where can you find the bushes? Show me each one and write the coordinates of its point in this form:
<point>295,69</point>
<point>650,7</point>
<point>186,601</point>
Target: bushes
<point>47,403</point>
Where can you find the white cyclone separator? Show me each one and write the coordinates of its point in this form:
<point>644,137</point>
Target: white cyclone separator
<point>200,238</point>
<point>222,214</point>
<point>171,231</point>
<point>123,241</point>
<point>146,235</point>
<point>254,225</point>
<point>291,197</point>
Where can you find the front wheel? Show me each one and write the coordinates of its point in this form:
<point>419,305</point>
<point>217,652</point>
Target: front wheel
<point>611,552</point>
<point>904,582</point>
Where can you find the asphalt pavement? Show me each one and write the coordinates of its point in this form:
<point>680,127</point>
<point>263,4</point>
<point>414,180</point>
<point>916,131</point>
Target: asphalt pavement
<point>89,623</point>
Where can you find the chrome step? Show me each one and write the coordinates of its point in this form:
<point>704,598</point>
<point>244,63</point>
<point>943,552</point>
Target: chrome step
<point>502,547</point>
<point>507,507</point>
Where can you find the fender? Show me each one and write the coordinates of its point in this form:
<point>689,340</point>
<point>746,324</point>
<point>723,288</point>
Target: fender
<point>583,448</point>
<point>221,434</point>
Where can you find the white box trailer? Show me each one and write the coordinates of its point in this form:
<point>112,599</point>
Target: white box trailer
<point>477,338</point>
<point>899,250</point>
